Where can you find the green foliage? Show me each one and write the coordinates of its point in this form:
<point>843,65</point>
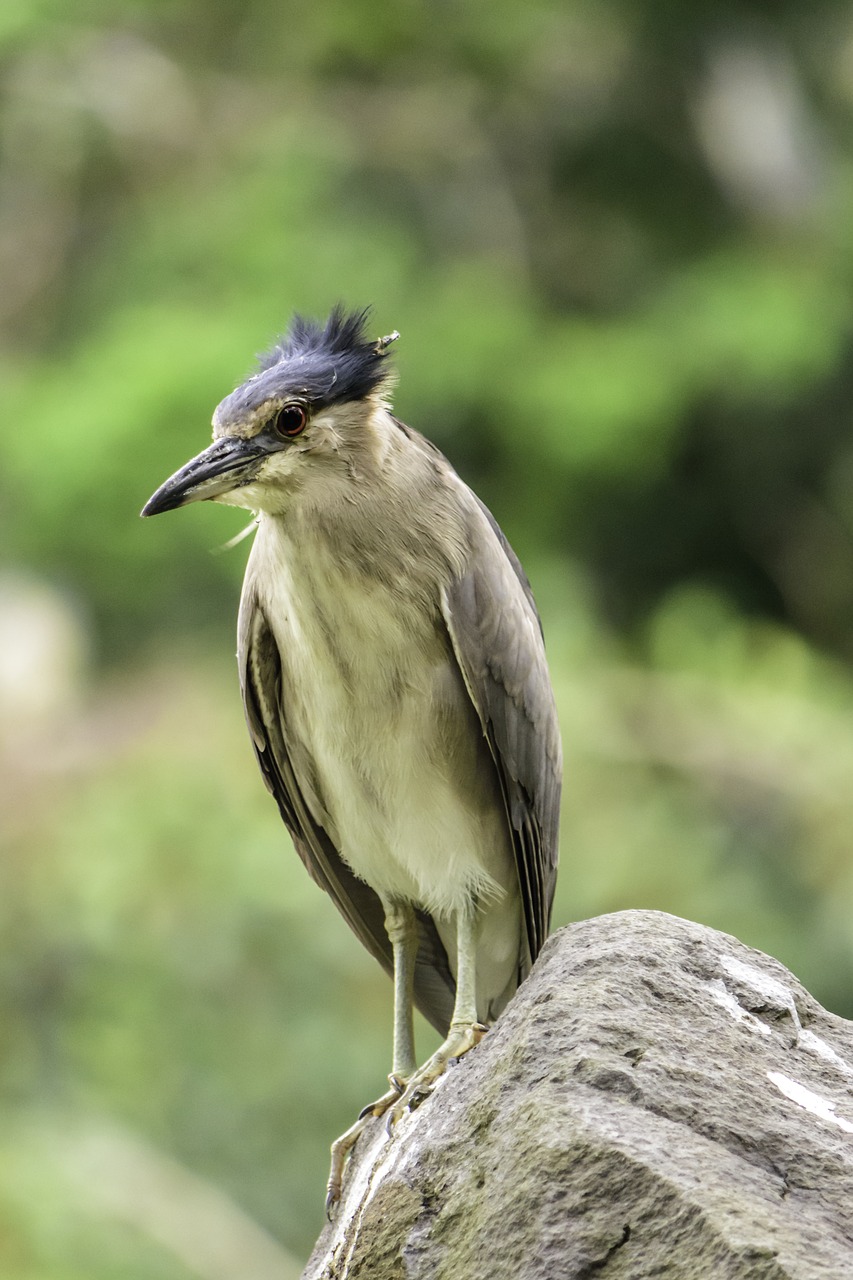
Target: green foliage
<point>616,242</point>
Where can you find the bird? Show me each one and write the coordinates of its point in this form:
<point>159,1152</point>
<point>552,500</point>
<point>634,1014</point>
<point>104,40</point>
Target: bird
<point>395,686</point>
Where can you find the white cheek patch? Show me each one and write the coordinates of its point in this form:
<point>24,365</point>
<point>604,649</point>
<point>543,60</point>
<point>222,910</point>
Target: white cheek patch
<point>245,496</point>
<point>278,466</point>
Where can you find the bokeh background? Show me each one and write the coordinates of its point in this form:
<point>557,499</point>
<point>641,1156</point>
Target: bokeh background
<point>617,240</point>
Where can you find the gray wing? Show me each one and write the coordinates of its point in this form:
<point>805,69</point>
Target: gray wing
<point>497,639</point>
<point>264,701</point>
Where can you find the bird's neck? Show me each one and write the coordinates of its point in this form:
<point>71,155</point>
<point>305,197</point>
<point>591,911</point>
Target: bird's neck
<point>393,521</point>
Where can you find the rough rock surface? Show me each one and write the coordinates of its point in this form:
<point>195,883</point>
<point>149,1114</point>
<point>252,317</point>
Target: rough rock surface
<point>658,1100</point>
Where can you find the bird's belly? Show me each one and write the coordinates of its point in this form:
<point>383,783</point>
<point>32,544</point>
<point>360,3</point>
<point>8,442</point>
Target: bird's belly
<point>415,807</point>
<point>402,777</point>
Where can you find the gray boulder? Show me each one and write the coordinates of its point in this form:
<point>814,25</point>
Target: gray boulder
<point>658,1100</point>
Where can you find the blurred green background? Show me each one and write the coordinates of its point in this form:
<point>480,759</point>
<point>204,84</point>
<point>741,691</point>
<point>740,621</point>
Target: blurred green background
<point>618,242</point>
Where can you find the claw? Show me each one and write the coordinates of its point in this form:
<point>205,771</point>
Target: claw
<point>333,1195</point>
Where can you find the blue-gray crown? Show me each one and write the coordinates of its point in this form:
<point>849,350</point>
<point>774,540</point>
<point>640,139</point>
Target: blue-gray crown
<point>328,362</point>
<point>322,364</point>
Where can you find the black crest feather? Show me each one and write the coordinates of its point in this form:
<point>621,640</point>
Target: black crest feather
<point>322,363</point>
<point>336,360</point>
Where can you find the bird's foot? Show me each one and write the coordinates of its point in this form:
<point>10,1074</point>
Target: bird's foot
<point>462,1037</point>
<point>343,1145</point>
<point>404,1095</point>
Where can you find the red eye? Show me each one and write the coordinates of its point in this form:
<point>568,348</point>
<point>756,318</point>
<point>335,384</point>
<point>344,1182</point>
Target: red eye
<point>290,421</point>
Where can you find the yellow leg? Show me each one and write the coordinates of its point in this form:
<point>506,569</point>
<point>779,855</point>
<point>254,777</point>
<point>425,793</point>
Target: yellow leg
<point>402,929</point>
<point>465,1030</point>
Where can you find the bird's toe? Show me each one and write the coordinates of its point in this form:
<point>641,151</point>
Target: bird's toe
<point>460,1040</point>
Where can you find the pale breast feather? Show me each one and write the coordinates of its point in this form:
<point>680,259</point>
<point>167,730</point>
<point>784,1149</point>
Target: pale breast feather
<point>265,702</point>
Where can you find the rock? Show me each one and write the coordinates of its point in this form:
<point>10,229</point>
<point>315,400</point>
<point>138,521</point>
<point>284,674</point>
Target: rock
<point>657,1100</point>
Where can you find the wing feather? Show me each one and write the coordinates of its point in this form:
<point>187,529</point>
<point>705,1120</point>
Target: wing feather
<point>496,636</point>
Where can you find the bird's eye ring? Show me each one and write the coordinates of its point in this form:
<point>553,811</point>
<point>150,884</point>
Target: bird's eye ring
<point>290,421</point>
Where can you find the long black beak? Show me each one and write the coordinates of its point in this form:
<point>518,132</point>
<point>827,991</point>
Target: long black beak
<point>227,463</point>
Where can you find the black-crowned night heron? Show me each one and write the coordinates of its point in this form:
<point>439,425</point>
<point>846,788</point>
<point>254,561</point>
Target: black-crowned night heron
<point>395,686</point>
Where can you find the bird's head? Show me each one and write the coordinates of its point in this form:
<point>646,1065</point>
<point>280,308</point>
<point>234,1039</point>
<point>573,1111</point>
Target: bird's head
<point>306,408</point>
